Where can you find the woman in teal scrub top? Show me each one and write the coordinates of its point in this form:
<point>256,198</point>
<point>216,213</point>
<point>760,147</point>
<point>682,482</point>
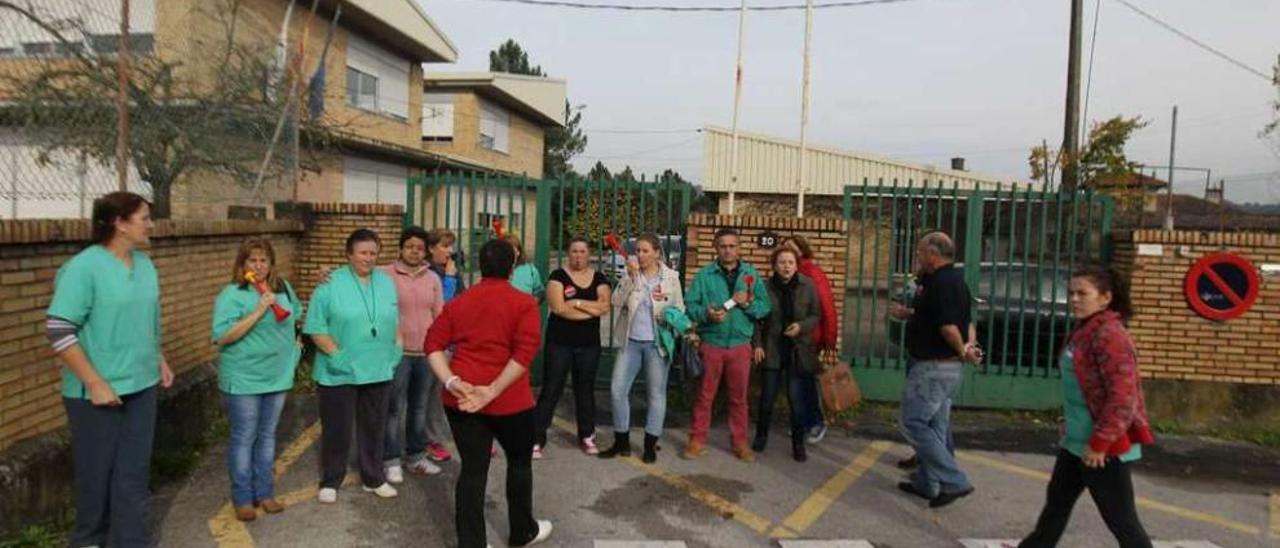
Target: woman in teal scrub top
<point>104,325</point>
<point>257,353</point>
<point>354,320</point>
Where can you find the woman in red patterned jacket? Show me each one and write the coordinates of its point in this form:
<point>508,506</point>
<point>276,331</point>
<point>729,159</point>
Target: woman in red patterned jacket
<point>1106,420</point>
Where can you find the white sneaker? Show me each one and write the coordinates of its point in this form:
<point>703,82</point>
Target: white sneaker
<point>328,495</point>
<point>544,532</point>
<point>424,467</point>
<point>537,452</point>
<point>395,474</point>
<point>385,491</point>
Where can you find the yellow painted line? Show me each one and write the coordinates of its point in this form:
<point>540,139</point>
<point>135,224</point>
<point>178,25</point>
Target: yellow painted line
<point>1184,513</point>
<point>229,532</point>
<point>719,504</point>
<point>1275,514</point>
<point>817,504</point>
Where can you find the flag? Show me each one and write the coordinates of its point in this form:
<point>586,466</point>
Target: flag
<point>276,77</point>
<point>315,87</point>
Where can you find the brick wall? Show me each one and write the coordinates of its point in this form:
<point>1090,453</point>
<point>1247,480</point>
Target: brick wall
<point>1176,343</point>
<point>828,237</point>
<point>329,224</point>
<point>194,260</point>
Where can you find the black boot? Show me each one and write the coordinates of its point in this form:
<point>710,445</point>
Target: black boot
<point>650,449</point>
<point>621,446</point>
<point>762,439</point>
<point>797,449</point>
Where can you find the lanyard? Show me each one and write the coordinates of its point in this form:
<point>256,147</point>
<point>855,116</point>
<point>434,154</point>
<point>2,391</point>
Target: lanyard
<point>370,305</point>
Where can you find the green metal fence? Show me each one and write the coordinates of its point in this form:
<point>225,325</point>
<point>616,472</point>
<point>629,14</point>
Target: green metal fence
<point>1017,245</point>
<point>546,214</point>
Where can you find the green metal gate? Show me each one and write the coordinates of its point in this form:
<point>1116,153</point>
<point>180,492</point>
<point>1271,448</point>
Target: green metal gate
<point>546,214</point>
<point>1017,245</point>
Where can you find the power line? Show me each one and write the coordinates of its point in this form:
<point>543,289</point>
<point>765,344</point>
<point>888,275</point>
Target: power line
<point>1193,40</point>
<point>640,131</point>
<point>703,9</point>
<point>1088,80</point>
<point>644,151</point>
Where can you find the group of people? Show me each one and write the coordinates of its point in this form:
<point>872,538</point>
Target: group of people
<point>404,349</point>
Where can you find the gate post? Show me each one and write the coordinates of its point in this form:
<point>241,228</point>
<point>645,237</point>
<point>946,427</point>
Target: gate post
<point>973,239</point>
<point>542,231</point>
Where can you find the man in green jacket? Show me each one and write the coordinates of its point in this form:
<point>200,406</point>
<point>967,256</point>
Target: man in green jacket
<point>725,300</point>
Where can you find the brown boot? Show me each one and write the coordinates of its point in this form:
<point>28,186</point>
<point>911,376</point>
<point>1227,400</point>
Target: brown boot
<point>744,453</point>
<point>246,513</point>
<point>693,450</point>
<point>271,506</point>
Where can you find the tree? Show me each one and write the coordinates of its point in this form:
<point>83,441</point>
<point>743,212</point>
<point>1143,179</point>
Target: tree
<point>214,119</point>
<point>560,144</point>
<point>1102,157</point>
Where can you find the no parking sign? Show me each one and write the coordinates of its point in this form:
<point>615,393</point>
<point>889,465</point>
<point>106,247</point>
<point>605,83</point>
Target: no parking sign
<point>1222,286</point>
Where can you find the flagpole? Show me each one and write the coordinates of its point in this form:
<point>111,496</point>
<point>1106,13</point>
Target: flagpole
<point>804,110</point>
<point>737,106</point>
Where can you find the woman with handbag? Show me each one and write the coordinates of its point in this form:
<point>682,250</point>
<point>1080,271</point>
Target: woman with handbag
<point>784,347</point>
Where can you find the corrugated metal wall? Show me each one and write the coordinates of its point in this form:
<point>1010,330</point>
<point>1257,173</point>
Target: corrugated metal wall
<point>769,165</point>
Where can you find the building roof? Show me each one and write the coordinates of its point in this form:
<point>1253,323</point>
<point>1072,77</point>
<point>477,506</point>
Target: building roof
<point>1128,181</point>
<point>402,24</point>
<point>539,98</point>
<point>1194,213</point>
<point>769,165</point>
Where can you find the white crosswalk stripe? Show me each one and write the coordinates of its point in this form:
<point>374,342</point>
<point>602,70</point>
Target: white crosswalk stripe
<point>825,544</point>
<point>1007,543</point>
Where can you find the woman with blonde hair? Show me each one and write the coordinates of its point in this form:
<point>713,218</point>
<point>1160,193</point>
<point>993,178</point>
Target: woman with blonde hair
<point>255,320</point>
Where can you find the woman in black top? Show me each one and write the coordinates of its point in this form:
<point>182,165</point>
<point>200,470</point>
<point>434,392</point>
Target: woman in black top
<point>577,296</point>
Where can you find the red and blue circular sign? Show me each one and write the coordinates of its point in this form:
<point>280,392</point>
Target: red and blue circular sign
<point>1222,286</point>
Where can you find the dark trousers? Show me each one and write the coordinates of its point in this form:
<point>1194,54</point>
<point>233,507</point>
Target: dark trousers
<point>474,435</point>
<point>561,361</point>
<point>799,385</point>
<point>342,408</point>
<point>1112,490</point>
<point>111,456</point>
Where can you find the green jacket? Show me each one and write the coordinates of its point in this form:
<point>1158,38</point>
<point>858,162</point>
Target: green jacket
<point>710,288</point>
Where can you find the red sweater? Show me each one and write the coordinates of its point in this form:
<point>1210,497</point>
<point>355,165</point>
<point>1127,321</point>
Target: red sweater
<point>827,333</point>
<point>1106,366</point>
<point>487,326</point>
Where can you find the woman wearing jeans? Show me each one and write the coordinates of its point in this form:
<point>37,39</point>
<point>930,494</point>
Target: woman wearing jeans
<point>648,288</point>
<point>578,296</point>
<point>104,325</point>
<point>783,346</point>
<point>1106,419</point>
<point>257,355</point>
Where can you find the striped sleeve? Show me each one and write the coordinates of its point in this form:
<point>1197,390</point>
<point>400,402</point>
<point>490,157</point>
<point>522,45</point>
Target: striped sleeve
<point>61,333</point>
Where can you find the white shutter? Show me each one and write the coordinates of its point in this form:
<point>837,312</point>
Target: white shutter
<point>437,115</point>
<point>495,123</point>
<point>372,182</point>
<point>391,71</point>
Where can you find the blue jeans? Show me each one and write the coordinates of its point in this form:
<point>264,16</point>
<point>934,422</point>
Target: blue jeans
<point>926,424</point>
<point>800,388</point>
<point>415,390</point>
<point>252,448</point>
<point>634,355</point>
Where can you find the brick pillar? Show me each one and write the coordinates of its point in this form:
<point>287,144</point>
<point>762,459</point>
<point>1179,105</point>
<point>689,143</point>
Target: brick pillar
<point>328,225</point>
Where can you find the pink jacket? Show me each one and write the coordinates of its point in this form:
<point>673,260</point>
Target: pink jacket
<point>421,297</point>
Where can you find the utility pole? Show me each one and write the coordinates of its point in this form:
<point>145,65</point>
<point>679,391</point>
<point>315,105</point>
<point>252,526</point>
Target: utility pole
<point>122,101</point>
<point>737,106</point>
<point>1173,140</point>
<point>804,110</point>
<point>1071,127</point>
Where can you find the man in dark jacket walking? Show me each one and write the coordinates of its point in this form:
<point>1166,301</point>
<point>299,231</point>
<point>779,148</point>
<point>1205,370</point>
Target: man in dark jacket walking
<point>940,339</point>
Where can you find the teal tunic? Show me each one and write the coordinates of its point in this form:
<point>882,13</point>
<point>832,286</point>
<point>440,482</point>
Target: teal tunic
<point>117,309</point>
<point>1079,426</point>
<point>526,279</point>
<point>362,318</point>
<point>263,360</point>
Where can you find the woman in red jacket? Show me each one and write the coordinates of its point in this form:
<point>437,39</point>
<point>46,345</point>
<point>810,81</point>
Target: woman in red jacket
<point>824,337</point>
<point>1106,420</point>
<point>493,330</point>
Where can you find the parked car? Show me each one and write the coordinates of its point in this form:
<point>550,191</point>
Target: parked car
<point>1028,302</point>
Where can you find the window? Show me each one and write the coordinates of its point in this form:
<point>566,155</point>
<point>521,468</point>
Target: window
<point>495,127</point>
<point>382,83</point>
<point>437,117</point>
<point>139,44</point>
<point>362,89</point>
<point>370,181</point>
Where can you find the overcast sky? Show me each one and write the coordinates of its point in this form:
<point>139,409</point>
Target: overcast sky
<point>922,80</point>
